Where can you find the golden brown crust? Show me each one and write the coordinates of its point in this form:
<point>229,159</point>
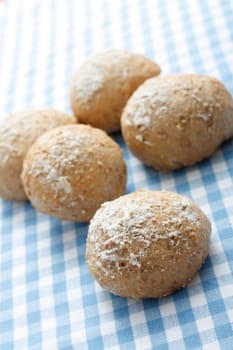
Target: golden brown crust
<point>147,244</point>
<point>18,132</point>
<point>70,171</point>
<point>177,120</point>
<point>103,84</point>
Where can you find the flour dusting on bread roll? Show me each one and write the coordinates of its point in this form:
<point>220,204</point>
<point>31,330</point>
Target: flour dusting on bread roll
<point>177,120</point>
<point>103,84</point>
<point>147,244</point>
<point>18,132</point>
<point>71,170</point>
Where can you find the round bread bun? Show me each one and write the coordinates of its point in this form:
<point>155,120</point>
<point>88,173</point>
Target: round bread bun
<point>103,84</point>
<point>18,132</point>
<point>147,244</point>
<point>71,170</point>
<point>177,120</point>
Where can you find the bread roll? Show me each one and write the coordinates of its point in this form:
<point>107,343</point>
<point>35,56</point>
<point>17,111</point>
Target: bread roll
<point>103,84</point>
<point>18,132</point>
<point>71,170</point>
<point>177,120</point>
<point>147,244</point>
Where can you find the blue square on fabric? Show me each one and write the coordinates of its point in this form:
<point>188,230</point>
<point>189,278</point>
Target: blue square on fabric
<point>34,338</point>
<point>60,287</point>
<point>33,295</point>
<point>6,326</point>
<point>89,299</point>
<point>192,341</point>
<point>224,330</point>
<point>220,214</point>
<point>163,346</point>
<point>216,307</point>
<point>34,317</point>
<point>155,326</point>
<point>32,276</point>
<point>95,343</point>
<point>186,316</point>
<point>86,279</point>
<point>121,312</point>
<point>93,321</point>
<point>62,309</point>
<point>125,335</point>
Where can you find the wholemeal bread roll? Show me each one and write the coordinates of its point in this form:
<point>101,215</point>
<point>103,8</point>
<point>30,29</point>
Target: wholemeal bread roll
<point>18,132</point>
<point>103,84</point>
<point>71,170</point>
<point>177,120</point>
<point>147,244</point>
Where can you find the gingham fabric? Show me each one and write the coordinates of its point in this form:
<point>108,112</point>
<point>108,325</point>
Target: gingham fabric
<point>48,300</point>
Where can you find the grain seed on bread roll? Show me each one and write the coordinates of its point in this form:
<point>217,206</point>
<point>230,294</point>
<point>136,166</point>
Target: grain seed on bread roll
<point>147,244</point>
<point>18,132</point>
<point>177,120</point>
<point>103,84</point>
<point>71,170</point>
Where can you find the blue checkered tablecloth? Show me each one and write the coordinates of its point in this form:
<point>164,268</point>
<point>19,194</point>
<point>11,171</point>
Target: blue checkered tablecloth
<point>48,300</point>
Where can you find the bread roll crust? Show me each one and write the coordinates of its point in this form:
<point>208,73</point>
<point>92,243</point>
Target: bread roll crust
<point>147,244</point>
<point>70,171</point>
<point>103,84</point>
<point>177,120</point>
<point>18,132</point>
